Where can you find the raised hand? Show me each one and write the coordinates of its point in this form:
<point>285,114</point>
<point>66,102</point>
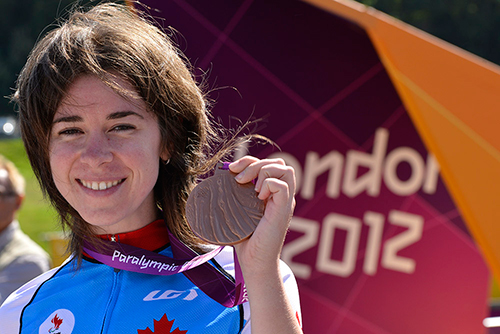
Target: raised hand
<point>259,255</point>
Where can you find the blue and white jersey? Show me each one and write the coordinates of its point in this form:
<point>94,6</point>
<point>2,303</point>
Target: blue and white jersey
<point>99,299</point>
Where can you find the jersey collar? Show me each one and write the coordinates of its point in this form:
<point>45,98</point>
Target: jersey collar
<point>150,237</point>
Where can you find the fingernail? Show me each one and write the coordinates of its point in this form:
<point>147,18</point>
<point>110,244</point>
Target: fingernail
<point>240,176</point>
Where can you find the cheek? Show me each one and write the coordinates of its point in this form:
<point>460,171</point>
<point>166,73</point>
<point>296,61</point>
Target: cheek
<point>143,159</point>
<point>60,162</point>
<point>149,166</point>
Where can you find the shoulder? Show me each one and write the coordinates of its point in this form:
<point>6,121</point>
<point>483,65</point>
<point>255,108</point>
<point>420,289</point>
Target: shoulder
<point>15,243</point>
<point>11,309</point>
<point>29,246</point>
<point>20,245</point>
<point>19,271</point>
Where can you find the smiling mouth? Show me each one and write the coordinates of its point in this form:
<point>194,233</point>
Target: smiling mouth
<point>102,185</point>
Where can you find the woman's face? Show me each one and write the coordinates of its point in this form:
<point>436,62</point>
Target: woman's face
<point>104,155</point>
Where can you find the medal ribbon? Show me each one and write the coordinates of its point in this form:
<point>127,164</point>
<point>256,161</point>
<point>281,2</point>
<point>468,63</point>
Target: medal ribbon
<point>195,267</point>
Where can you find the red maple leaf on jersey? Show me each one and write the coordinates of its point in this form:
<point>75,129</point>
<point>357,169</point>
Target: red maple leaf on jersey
<point>56,321</point>
<point>162,326</point>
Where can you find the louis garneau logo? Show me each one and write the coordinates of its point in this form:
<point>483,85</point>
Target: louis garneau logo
<point>171,294</point>
<point>60,321</point>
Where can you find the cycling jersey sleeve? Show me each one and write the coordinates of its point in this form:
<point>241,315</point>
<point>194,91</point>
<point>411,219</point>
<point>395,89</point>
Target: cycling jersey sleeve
<point>12,308</point>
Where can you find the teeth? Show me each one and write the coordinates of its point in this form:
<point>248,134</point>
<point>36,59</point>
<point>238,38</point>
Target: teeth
<point>103,185</point>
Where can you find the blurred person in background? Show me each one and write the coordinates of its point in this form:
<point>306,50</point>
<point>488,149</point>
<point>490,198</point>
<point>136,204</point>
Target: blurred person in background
<point>21,259</point>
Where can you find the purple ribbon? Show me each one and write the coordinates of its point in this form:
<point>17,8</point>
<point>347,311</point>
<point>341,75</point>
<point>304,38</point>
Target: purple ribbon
<point>196,268</point>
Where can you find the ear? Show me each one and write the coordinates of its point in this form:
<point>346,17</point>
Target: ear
<point>165,155</point>
<point>19,201</point>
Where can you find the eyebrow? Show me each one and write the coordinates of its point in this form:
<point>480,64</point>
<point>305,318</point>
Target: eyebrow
<point>115,115</point>
<point>122,114</point>
<point>69,119</point>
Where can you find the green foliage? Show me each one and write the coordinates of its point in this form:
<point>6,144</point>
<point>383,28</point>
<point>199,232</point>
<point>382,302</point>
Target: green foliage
<point>471,25</point>
<point>22,23</point>
<point>37,217</point>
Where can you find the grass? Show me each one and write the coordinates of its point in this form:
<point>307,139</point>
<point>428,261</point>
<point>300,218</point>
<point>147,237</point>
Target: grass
<point>36,217</point>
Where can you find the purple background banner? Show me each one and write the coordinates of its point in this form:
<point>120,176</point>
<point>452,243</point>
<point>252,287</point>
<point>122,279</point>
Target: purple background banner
<point>376,243</point>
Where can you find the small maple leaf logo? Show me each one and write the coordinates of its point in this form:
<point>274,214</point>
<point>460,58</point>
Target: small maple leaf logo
<point>162,326</point>
<point>56,321</point>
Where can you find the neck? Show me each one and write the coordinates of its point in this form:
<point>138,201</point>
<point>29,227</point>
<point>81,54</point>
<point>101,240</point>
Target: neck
<point>5,224</point>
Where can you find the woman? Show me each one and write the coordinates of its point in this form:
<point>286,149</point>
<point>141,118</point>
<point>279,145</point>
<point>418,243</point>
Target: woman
<point>117,133</point>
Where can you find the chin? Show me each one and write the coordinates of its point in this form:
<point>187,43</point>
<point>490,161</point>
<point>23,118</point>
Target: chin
<point>102,225</point>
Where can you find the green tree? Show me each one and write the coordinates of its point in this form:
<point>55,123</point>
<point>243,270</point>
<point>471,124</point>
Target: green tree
<point>22,23</point>
<point>470,24</point>
<point>473,25</point>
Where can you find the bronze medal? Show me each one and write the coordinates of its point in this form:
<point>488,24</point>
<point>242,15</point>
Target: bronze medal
<point>221,211</point>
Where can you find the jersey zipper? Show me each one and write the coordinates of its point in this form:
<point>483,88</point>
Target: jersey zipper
<point>113,296</point>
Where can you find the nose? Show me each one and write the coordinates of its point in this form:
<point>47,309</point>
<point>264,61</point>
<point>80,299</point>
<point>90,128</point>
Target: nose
<point>96,150</point>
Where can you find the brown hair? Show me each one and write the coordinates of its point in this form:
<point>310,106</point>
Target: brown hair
<point>111,38</point>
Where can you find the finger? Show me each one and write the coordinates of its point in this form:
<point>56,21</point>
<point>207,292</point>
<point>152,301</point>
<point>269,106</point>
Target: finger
<point>239,165</point>
<point>280,203</point>
<point>275,171</point>
<point>248,168</point>
<point>276,188</point>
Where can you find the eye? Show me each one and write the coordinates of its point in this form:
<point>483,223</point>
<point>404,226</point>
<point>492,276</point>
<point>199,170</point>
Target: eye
<point>69,132</point>
<point>123,127</point>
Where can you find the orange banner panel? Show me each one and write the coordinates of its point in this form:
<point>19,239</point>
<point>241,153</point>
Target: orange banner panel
<point>452,97</point>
